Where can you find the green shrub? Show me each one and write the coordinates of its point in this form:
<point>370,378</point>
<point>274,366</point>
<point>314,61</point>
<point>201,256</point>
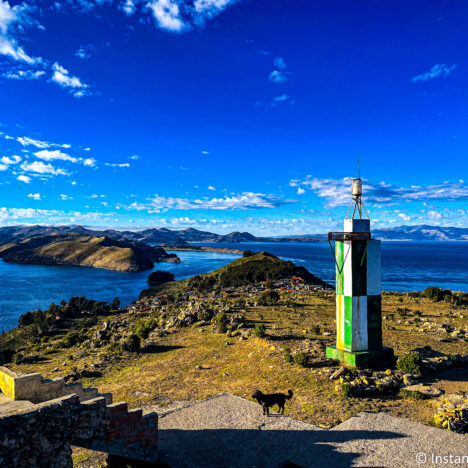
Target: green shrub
<point>268,297</point>
<point>315,329</point>
<point>301,359</point>
<point>221,322</point>
<point>410,363</point>
<point>287,355</point>
<point>16,359</point>
<point>346,389</point>
<point>411,394</point>
<point>260,330</point>
<point>132,344</point>
<point>70,340</point>
<point>143,329</point>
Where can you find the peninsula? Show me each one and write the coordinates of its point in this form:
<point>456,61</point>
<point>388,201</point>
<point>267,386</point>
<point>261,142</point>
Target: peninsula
<point>84,250</point>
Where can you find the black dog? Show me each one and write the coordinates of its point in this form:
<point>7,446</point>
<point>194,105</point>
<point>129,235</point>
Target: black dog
<point>267,401</point>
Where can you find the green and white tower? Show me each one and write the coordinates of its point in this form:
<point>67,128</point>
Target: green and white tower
<point>358,290</point>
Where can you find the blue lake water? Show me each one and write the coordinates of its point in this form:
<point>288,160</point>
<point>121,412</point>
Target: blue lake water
<point>406,266</point>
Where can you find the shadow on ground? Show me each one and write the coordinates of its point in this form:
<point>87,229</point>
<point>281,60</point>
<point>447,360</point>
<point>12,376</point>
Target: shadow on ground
<point>239,448</point>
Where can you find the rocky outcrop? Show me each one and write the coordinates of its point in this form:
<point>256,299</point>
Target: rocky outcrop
<point>160,277</point>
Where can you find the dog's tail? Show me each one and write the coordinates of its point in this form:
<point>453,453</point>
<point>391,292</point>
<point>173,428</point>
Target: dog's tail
<point>290,394</point>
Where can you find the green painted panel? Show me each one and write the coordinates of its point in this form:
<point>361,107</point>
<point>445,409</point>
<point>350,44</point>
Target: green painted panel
<point>359,268</point>
<point>339,252</point>
<point>374,322</point>
<point>348,322</point>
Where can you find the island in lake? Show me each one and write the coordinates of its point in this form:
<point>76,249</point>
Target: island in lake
<point>84,250</point>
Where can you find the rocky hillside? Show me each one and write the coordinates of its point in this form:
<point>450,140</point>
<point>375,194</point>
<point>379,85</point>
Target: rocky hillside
<point>83,250</point>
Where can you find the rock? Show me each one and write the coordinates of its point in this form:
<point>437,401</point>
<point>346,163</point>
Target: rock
<point>425,390</point>
<point>160,277</point>
<point>409,380</point>
<point>338,373</point>
<point>326,334</point>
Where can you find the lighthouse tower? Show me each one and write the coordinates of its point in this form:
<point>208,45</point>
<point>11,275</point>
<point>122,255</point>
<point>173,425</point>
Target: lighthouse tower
<point>358,290</point>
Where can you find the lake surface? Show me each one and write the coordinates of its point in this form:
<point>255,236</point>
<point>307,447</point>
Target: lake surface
<point>406,266</point>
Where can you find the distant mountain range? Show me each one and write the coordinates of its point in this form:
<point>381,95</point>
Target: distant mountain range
<point>169,237</point>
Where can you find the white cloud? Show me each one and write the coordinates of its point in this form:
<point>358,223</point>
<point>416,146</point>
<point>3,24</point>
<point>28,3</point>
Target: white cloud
<point>3,167</point>
<point>279,63</point>
<point>128,7</point>
<point>48,155</point>
<point>62,77</point>
<point>338,192</point>
<point>85,52</point>
<point>23,74</point>
<point>117,164</point>
<point>300,191</point>
<point>40,168</point>
<point>65,197</point>
<point>437,71</point>
<point>167,15</point>
<point>13,160</point>
<point>24,179</point>
<point>243,201</point>
<point>14,19</point>
<point>35,196</point>
<point>277,76</point>
<point>25,141</point>
<point>205,153</point>
<point>90,162</point>
<point>211,188</point>
<point>87,149</point>
<point>134,157</point>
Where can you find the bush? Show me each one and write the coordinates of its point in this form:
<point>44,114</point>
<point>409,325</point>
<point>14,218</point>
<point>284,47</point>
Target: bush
<point>287,355</point>
<point>410,363</point>
<point>437,294</point>
<point>247,253</point>
<point>410,394</point>
<point>268,297</point>
<point>221,322</point>
<point>301,359</point>
<point>70,340</point>
<point>17,358</point>
<point>132,344</point>
<point>346,389</point>
<point>143,329</point>
<point>316,330</point>
<point>260,330</point>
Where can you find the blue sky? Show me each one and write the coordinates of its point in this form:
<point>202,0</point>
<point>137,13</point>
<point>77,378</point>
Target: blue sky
<point>232,115</point>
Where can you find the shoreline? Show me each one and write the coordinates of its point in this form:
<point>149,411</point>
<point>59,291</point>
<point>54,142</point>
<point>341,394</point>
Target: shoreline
<point>202,248</point>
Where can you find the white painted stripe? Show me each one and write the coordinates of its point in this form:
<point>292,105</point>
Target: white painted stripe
<point>347,270</point>
<point>373,268</point>
<point>360,339</point>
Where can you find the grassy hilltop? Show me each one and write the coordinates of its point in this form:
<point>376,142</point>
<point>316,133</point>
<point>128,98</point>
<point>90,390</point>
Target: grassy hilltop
<point>229,331</point>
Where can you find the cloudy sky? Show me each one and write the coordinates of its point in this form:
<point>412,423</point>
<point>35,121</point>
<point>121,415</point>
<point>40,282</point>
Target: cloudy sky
<point>232,114</point>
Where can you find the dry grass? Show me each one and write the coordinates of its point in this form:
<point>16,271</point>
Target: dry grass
<point>195,363</point>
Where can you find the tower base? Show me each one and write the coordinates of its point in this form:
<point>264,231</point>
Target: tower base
<point>362,359</point>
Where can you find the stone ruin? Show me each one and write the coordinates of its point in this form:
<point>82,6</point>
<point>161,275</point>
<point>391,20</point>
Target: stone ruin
<point>41,419</point>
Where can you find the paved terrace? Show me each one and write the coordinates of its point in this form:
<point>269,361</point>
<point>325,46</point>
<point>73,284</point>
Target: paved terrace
<point>228,431</point>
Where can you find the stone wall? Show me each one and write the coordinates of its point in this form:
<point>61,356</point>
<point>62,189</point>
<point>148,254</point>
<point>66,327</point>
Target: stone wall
<point>41,437</point>
<point>33,388</point>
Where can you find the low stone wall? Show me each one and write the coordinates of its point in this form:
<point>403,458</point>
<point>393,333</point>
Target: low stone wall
<point>33,388</point>
<point>43,437</point>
